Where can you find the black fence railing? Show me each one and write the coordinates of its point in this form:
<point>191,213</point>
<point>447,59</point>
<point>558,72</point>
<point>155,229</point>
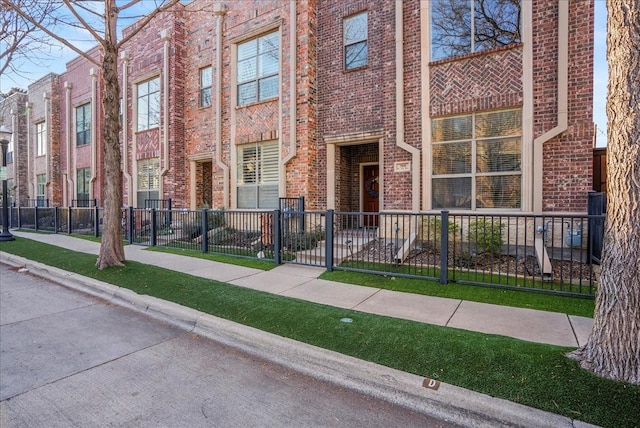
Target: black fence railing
<point>549,253</point>
<point>84,203</point>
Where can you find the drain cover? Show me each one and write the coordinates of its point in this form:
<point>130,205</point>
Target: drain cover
<point>347,320</point>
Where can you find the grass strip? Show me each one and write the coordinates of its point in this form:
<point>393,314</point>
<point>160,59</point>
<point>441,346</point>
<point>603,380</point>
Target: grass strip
<point>533,374</point>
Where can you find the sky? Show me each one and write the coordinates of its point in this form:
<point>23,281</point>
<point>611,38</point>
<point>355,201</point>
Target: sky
<point>59,57</point>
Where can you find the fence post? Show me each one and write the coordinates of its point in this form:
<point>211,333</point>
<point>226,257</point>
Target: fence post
<point>170,215</point>
<point>329,241</point>
<point>301,213</point>
<point>96,219</point>
<point>131,225</point>
<point>204,222</point>
<point>444,246</point>
<point>277,243</point>
<point>35,216</point>
<point>55,220</point>
<point>153,227</point>
<point>69,220</point>
<point>19,219</point>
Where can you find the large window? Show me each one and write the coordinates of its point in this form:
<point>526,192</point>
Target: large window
<point>83,177</point>
<point>476,161</point>
<point>258,175</point>
<point>41,185</point>
<point>460,27</point>
<point>83,124</point>
<point>148,104</point>
<point>355,41</point>
<point>41,139</point>
<point>148,181</point>
<point>205,86</point>
<point>258,67</point>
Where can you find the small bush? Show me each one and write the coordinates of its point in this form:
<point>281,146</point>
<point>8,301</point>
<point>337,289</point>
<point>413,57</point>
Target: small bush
<point>431,231</point>
<point>487,235</point>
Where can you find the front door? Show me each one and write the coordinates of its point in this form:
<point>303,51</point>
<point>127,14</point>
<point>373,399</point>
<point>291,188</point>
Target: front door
<point>370,194</point>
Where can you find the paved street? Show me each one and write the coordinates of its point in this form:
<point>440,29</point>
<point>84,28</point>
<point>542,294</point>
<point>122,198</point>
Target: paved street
<point>68,359</point>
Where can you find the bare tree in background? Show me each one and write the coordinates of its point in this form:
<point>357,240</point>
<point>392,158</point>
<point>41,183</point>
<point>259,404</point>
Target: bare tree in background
<point>102,25</point>
<point>20,39</point>
<point>613,348</point>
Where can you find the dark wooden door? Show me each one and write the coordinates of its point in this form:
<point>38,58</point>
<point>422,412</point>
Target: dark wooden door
<point>370,195</point>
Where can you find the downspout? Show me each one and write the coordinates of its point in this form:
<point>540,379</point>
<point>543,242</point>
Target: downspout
<point>94,141</point>
<point>219,11</point>
<point>125,124</point>
<point>164,35</point>
<point>47,148</point>
<point>14,144</point>
<point>29,150</point>
<point>563,72</point>
<point>292,99</point>
<point>415,152</point>
<point>68,86</point>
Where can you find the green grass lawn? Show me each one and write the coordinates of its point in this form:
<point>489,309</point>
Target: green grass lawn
<point>533,374</point>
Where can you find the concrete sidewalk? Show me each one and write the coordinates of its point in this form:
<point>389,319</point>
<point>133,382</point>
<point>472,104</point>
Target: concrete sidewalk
<point>302,282</point>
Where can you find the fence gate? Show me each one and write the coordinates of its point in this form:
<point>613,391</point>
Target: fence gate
<point>302,234</point>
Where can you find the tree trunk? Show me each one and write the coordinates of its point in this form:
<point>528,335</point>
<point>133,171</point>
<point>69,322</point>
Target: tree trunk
<point>112,248</point>
<point>613,348</point>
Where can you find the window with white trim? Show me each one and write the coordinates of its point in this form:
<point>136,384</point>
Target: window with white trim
<point>41,138</point>
<point>258,68</point>
<point>41,185</point>
<point>258,175</point>
<point>460,27</point>
<point>83,124</point>
<point>355,41</point>
<point>205,86</point>
<point>476,161</point>
<point>148,104</point>
<point>148,180</point>
<point>83,178</point>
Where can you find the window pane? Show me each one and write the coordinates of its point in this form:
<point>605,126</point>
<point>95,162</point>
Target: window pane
<point>356,55</point>
<point>247,93</point>
<point>450,28</point>
<point>268,64</point>
<point>248,171</point>
<point>268,196</point>
<point>269,87</point>
<point>154,85</point>
<point>269,163</point>
<point>499,124</point>
<point>205,97</point>
<point>451,128</point>
<point>269,42</point>
<point>501,191</point>
<point>498,155</point>
<point>154,109</point>
<point>205,77</point>
<point>247,49</point>
<point>355,28</point>
<point>247,70</point>
<point>497,23</point>
<point>247,196</point>
<point>451,192</point>
<point>452,158</point>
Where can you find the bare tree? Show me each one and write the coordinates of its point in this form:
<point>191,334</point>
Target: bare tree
<point>102,25</point>
<point>613,348</point>
<point>19,38</point>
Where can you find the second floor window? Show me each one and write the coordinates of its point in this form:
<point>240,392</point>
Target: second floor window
<point>148,104</point>
<point>205,86</point>
<point>41,139</point>
<point>83,124</point>
<point>258,68</point>
<point>355,41</point>
<point>460,27</point>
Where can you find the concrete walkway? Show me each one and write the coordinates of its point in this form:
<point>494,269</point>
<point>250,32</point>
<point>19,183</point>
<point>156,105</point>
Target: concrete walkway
<point>302,282</point>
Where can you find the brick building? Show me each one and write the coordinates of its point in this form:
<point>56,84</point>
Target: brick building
<point>356,105</point>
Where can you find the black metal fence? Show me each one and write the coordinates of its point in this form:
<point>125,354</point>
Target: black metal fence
<point>550,253</point>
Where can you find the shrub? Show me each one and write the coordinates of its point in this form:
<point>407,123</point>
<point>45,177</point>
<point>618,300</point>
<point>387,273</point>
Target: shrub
<point>431,231</point>
<point>487,235</point>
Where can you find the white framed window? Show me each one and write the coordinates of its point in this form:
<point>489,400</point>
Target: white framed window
<point>205,86</point>
<point>148,104</point>
<point>83,177</point>
<point>258,68</point>
<point>461,27</point>
<point>41,138</point>
<point>148,181</point>
<point>41,184</point>
<point>355,33</point>
<point>83,124</point>
<point>476,161</point>
<point>258,175</point>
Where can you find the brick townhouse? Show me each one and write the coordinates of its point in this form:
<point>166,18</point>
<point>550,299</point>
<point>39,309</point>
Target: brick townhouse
<point>356,105</point>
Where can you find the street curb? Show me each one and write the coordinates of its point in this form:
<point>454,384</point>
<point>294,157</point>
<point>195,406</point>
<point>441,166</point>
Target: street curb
<point>449,403</point>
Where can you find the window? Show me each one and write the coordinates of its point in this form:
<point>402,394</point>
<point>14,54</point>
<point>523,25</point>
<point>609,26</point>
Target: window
<point>148,181</point>
<point>83,177</point>
<point>149,104</point>
<point>41,183</point>
<point>355,41</point>
<point>258,67</point>
<point>258,175</point>
<point>460,27</point>
<point>205,87</point>
<point>10,151</point>
<point>476,161</point>
<point>41,139</point>
<point>83,124</point>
